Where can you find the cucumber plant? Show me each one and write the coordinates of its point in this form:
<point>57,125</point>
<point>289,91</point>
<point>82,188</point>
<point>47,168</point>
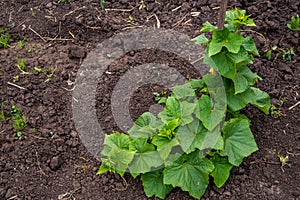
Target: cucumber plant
<point>201,132</point>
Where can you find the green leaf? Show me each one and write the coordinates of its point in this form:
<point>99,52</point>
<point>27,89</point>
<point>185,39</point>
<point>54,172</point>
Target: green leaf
<point>145,126</point>
<point>222,169</point>
<point>183,91</point>
<point>244,79</point>
<point>171,111</point>
<point>190,173</point>
<point>197,83</point>
<point>222,63</point>
<point>154,186</point>
<point>120,159</point>
<point>250,46</point>
<point>210,116</point>
<point>164,145</point>
<point>141,145</point>
<point>238,139</point>
<point>208,27</point>
<point>119,140</point>
<point>194,136</point>
<point>186,112</point>
<point>238,101</point>
<point>201,39</point>
<point>143,162</point>
<point>223,38</point>
<point>262,100</point>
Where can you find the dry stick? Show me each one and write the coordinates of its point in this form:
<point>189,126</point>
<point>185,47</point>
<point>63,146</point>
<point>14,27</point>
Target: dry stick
<point>222,13</point>
<point>293,106</point>
<point>29,27</point>
<point>12,84</point>
<point>71,12</point>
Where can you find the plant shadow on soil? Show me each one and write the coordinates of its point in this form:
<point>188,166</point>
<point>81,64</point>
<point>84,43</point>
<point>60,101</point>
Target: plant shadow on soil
<point>57,165</point>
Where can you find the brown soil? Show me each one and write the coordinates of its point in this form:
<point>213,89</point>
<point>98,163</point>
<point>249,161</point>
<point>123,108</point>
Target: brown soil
<point>46,166</point>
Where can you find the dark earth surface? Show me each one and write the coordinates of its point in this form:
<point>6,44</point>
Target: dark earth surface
<point>58,166</point>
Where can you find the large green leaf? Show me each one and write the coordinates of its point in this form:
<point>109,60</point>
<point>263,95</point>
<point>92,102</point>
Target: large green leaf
<point>119,159</point>
<point>144,126</point>
<point>210,115</point>
<point>222,63</point>
<point>237,101</point>
<point>262,100</point>
<point>244,79</point>
<point>195,136</point>
<point>143,162</point>
<point>119,140</point>
<point>222,169</point>
<point>190,173</point>
<point>238,139</point>
<point>223,38</point>
<point>154,186</point>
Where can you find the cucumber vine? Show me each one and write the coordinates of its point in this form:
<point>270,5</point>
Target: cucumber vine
<point>201,131</point>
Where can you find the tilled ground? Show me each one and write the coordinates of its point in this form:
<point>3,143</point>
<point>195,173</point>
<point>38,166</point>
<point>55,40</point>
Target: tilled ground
<point>57,166</point>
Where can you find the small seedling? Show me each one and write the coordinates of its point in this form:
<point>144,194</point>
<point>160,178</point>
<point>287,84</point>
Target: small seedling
<point>295,23</point>
<point>33,13</point>
<point>283,160</point>
<point>4,38</point>
<point>130,19</point>
<point>48,73</point>
<point>21,43</point>
<point>102,3</point>
<point>22,66</point>
<point>275,111</point>
<point>287,54</point>
<point>16,79</point>
<point>29,51</point>
<point>19,122</point>
<point>159,97</point>
<point>2,115</point>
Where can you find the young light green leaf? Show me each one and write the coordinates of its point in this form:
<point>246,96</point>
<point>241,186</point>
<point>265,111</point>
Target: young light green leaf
<point>171,111</point>
<point>154,186</point>
<point>201,39</point>
<point>190,173</point>
<point>238,139</point>
<point>208,27</point>
<point>145,126</point>
<point>223,38</point>
<point>183,91</point>
<point>262,100</point>
<point>164,145</point>
<point>186,112</point>
<point>222,169</point>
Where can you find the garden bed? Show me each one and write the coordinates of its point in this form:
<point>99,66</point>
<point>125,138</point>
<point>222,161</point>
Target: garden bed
<point>50,162</point>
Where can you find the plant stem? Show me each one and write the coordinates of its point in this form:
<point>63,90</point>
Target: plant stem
<point>222,13</point>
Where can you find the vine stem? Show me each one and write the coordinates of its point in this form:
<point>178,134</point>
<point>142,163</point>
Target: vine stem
<point>252,31</point>
<point>222,13</point>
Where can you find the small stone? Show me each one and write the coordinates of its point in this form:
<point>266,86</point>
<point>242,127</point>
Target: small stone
<point>73,133</point>
<point>77,52</point>
<point>49,5</point>
<point>55,163</point>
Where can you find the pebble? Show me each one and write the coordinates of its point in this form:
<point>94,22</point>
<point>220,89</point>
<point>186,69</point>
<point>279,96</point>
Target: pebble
<point>55,163</point>
<point>49,5</point>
